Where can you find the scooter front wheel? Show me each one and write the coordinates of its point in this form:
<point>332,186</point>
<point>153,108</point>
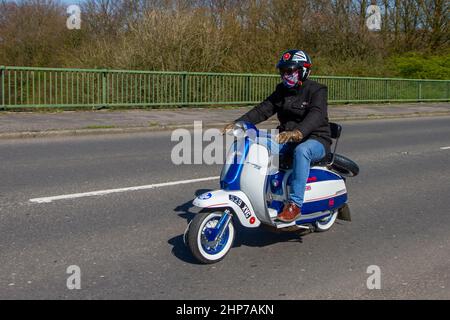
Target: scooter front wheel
<point>199,240</point>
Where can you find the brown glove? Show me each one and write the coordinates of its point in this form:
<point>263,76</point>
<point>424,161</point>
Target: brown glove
<point>227,127</point>
<point>290,136</point>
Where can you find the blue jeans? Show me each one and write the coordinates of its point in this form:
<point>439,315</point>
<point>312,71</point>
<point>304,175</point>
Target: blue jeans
<point>304,154</point>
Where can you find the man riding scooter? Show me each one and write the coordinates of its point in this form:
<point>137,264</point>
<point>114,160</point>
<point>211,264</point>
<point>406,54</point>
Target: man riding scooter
<point>301,107</point>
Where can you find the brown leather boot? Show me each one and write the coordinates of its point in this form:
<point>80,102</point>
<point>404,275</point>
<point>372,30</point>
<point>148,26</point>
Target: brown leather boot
<point>291,212</point>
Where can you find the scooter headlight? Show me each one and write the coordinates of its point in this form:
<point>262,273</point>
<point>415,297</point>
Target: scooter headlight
<point>239,130</point>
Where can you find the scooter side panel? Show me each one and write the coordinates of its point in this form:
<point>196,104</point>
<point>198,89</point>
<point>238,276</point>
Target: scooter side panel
<point>236,200</point>
<point>253,180</point>
<point>325,191</point>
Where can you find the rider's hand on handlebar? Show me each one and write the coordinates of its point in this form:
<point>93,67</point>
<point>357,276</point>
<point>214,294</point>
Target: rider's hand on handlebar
<point>227,127</point>
<point>290,136</point>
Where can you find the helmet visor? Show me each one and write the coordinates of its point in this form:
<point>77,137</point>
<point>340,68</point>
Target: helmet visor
<point>288,70</point>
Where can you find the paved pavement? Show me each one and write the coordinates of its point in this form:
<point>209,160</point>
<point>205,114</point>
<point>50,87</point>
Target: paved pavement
<point>129,245</point>
<point>14,123</point>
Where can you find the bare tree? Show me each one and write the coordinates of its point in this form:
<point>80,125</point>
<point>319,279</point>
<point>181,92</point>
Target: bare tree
<point>220,35</point>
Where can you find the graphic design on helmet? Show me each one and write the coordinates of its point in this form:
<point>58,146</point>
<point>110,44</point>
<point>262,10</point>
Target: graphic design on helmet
<point>299,56</point>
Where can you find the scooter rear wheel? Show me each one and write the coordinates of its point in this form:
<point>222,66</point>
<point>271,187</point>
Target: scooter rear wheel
<point>203,250</point>
<point>326,223</point>
<point>344,166</point>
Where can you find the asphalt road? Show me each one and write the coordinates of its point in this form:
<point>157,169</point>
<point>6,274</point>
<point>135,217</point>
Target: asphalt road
<point>129,245</point>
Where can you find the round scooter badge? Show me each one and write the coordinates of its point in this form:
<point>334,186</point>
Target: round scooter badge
<point>286,56</point>
<point>205,196</point>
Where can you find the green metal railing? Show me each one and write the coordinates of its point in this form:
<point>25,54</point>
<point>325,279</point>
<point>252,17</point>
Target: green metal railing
<point>23,87</point>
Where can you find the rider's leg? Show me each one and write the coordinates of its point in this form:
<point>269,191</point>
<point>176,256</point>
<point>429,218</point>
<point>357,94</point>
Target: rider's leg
<point>304,154</point>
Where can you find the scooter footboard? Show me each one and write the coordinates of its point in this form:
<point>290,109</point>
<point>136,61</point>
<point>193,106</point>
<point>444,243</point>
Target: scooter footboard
<point>236,200</point>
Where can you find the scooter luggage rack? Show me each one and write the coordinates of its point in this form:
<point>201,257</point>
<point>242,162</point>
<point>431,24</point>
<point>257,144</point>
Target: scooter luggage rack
<point>336,131</point>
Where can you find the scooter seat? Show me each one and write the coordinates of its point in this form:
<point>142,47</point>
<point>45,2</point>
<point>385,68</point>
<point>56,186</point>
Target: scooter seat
<point>324,161</point>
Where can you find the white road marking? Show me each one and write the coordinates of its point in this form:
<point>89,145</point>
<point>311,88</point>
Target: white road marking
<point>103,192</point>
<point>445,148</point>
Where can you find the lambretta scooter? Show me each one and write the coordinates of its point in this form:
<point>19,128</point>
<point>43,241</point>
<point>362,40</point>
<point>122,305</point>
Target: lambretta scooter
<point>254,189</point>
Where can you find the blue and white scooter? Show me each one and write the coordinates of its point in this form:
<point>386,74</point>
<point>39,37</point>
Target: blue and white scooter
<point>254,191</point>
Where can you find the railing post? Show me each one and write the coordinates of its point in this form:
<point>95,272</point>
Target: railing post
<point>448,90</point>
<point>419,91</point>
<point>2,87</point>
<point>348,90</point>
<point>249,88</point>
<point>184,89</point>
<point>104,88</point>
<point>386,91</point>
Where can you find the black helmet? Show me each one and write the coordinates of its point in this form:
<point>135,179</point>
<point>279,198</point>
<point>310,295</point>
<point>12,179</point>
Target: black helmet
<point>296,59</point>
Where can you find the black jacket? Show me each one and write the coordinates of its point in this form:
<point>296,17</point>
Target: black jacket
<point>303,108</point>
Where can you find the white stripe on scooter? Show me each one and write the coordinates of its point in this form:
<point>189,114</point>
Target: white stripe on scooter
<point>103,192</point>
<point>445,148</point>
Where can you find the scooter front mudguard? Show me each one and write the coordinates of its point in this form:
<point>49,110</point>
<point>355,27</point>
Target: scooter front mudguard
<point>236,200</point>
